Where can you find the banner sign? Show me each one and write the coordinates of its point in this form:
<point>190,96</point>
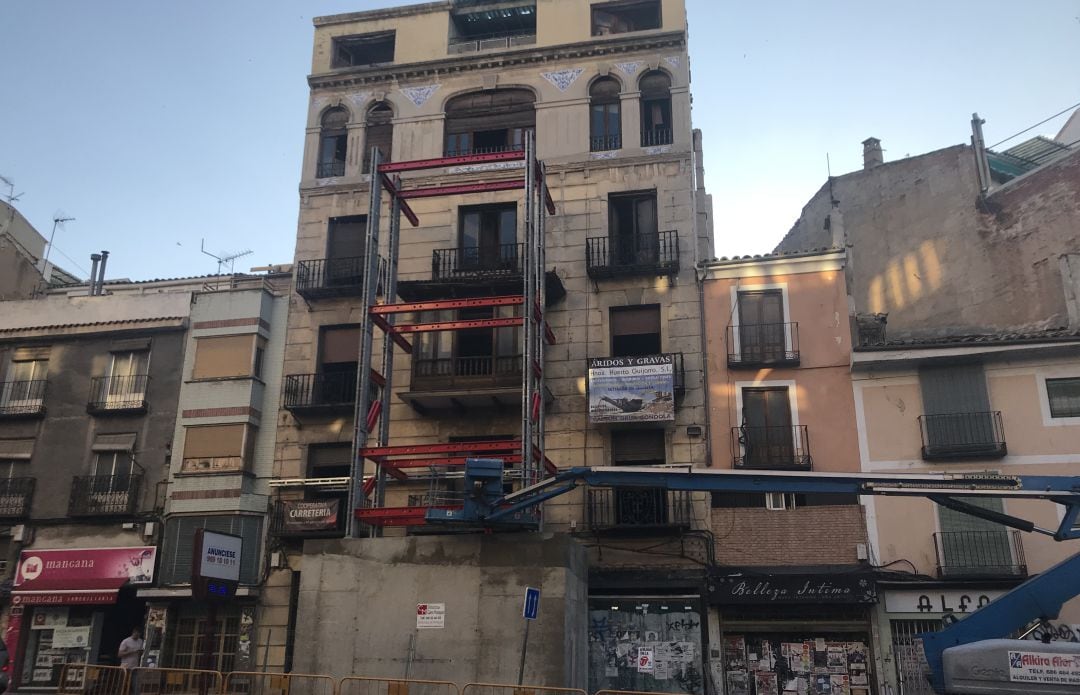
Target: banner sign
<point>430,616</point>
<point>793,588</point>
<point>939,600</point>
<point>320,515</point>
<point>632,389</point>
<point>84,568</point>
<point>220,556</point>
<point>1044,667</point>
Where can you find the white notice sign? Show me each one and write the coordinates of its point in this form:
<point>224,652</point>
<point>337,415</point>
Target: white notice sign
<point>645,662</point>
<point>430,615</point>
<point>1042,667</point>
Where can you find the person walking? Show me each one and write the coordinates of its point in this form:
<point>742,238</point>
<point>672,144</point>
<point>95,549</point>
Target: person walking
<point>130,653</point>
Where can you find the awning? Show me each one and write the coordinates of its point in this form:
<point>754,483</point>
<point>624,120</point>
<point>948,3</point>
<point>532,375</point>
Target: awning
<point>97,590</point>
<point>80,575</point>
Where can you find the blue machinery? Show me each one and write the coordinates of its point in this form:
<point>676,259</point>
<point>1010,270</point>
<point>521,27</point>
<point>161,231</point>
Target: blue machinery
<point>1040,597</point>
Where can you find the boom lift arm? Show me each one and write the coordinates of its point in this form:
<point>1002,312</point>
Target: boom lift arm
<point>1041,597</point>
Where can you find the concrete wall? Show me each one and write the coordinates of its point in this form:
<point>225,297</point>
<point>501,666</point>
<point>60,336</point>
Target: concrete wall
<point>358,605</point>
<point>923,249</point>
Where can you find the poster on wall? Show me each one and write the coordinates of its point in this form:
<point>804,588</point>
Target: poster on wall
<point>71,637</point>
<point>632,389</point>
<point>48,618</point>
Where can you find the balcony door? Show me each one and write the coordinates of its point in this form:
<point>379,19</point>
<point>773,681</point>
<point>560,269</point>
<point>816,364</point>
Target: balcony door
<point>956,407</point>
<point>20,390</point>
<point>970,546</point>
<point>339,350</point>
<point>127,379</point>
<point>767,433</point>
<point>639,506</point>
<point>761,326</point>
<point>633,234</point>
<point>345,250</point>
<point>488,238</point>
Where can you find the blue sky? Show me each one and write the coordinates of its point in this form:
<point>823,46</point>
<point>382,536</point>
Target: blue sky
<point>158,124</point>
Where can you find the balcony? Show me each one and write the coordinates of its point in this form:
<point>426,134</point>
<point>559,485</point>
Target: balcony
<point>105,495</point>
<point>656,137</point>
<point>318,518</point>
<point>454,373</point>
<point>325,170</point>
<point>489,42</point>
<point>771,448</point>
<point>504,260</point>
<point>605,143</point>
<point>330,277</point>
<point>959,436</point>
<point>16,495</point>
<point>984,554</point>
<point>118,395</point>
<point>763,345</point>
<point>22,398</point>
<point>623,256</point>
<point>322,392</point>
<point>628,509</point>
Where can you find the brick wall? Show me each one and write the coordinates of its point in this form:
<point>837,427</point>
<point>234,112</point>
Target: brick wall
<point>805,536</point>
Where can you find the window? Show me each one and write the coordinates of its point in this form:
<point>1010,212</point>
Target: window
<point>968,545</point>
<point>635,331</point>
<point>487,238</point>
<point>632,229</point>
<point>363,49</point>
<point>217,448</point>
<point>378,132</point>
<point>757,500</point>
<point>339,349</point>
<point>622,17</point>
<point>655,88</point>
<point>185,639</point>
<point>957,420</point>
<point>23,388</point>
<point>224,357</point>
<point>490,121</point>
<point>605,115</point>
<point>14,455</point>
<point>179,530</point>
<point>639,506</point>
<point>484,25</point>
<point>260,357</point>
<point>345,240</point>
<point>113,464</point>
<point>762,337</point>
<point>472,352</point>
<point>329,461</point>
<point>1064,395</point>
<point>125,384</point>
<point>766,436</point>
<point>333,143</point>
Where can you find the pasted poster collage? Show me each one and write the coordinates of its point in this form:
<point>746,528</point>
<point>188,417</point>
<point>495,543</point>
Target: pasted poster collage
<point>778,665</point>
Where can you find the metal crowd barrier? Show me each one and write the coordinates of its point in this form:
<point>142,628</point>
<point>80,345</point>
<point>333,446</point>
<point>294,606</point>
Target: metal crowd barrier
<point>91,679</point>
<point>174,681</point>
<point>253,683</point>
<point>362,685</point>
<point>503,689</point>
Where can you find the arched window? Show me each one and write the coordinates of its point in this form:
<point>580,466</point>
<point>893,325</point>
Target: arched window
<point>655,89</point>
<point>495,120</point>
<point>378,132</point>
<point>333,143</point>
<point>605,115</point>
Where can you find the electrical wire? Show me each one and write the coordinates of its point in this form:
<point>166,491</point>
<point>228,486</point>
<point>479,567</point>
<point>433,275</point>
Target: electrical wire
<point>1045,120</point>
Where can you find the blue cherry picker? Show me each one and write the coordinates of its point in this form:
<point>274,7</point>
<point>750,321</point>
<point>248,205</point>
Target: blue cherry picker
<point>969,656</point>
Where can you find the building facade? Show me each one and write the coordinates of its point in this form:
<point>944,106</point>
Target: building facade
<point>605,89</point>
<point>792,591</point>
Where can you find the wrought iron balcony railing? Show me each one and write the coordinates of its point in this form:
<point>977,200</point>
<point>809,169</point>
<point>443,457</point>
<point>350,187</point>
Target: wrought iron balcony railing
<point>477,262</point>
<point>16,496</point>
<point>325,391</point>
<point>22,398</point>
<point>489,42</point>
<point>334,277</point>
<point>492,149</point>
<point>763,344</point>
<point>456,373</point>
<point>638,508</point>
<point>980,554</point>
<point>656,136</point>
<point>625,255</point>
<point>325,170</point>
<point>118,394</point>
<point>604,143</point>
<point>978,435</point>
<point>105,495</point>
<point>771,448</point>
<point>315,518</point>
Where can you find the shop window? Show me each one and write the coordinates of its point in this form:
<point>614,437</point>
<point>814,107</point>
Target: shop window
<point>184,640</point>
<point>224,357</point>
<point>1064,395</point>
<point>51,642</point>
<point>635,330</point>
<point>378,132</point>
<point>333,143</point>
<point>605,115</point>
<point>797,660</point>
<point>177,540</point>
<point>633,230</point>
<point>217,448</point>
<point>623,17</point>
<point>489,121</point>
<point>363,49</point>
<point>656,126</point>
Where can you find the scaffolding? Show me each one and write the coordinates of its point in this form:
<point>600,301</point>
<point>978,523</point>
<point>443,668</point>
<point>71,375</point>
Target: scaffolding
<point>523,458</point>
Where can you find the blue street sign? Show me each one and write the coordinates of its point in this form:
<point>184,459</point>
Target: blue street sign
<point>532,603</point>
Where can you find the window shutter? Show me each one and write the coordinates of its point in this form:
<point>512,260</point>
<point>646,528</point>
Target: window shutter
<point>114,442</point>
<point>955,389</point>
<point>635,321</point>
<point>16,449</point>
<point>30,354</point>
<point>340,344</point>
<point>214,441</point>
<point>223,356</point>
<point>637,446</point>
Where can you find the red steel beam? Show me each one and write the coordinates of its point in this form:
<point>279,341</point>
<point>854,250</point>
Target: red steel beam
<point>458,325</point>
<point>390,186</point>
<point>549,334</point>
<point>436,191</point>
<point>378,378</point>
<point>442,461</point>
<point>419,164</point>
<point>442,448</point>
<point>394,335</point>
<point>395,516</point>
<point>445,304</point>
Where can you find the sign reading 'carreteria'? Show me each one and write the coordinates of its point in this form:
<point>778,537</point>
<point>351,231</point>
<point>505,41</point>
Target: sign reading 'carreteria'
<point>317,515</point>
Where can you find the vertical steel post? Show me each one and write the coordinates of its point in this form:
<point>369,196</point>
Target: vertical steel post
<point>393,244</point>
<point>528,322</point>
<point>364,358</point>
<point>541,294</point>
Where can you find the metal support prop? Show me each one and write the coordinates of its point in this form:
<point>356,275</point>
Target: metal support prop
<point>528,327</point>
<point>393,243</point>
<point>542,327</point>
<point>364,358</point>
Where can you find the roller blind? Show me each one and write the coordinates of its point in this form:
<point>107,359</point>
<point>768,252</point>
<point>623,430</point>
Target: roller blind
<point>223,356</point>
<point>214,441</point>
<point>340,344</point>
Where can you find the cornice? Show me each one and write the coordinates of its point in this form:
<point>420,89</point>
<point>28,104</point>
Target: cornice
<point>493,61</point>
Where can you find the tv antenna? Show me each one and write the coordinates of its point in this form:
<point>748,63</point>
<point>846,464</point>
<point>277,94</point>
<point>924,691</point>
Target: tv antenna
<point>11,196</point>
<point>58,220</point>
<point>225,258</point>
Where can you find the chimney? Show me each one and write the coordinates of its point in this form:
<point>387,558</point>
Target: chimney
<point>94,258</point>
<point>871,153</point>
<point>101,273</point>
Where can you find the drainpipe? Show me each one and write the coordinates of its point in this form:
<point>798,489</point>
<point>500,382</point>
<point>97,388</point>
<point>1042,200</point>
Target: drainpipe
<point>94,258</point>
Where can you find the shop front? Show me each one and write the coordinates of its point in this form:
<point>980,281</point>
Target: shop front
<point>73,606</point>
<point>794,634</point>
